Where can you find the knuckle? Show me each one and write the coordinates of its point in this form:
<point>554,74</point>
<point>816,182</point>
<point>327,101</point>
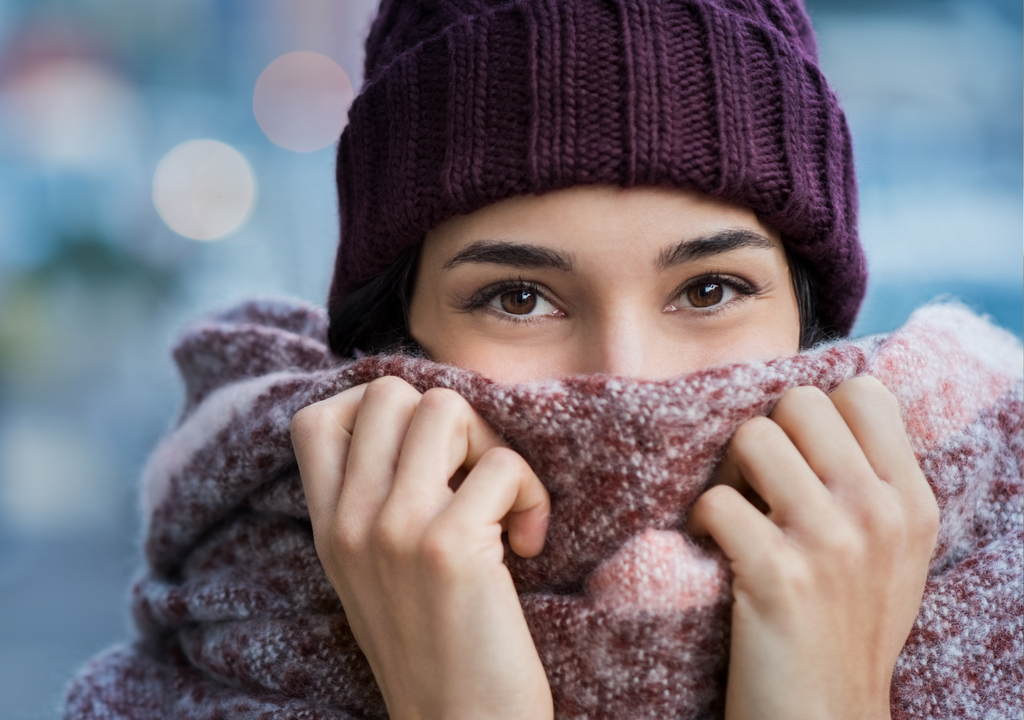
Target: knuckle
<point>503,461</point>
<point>888,524</point>
<point>867,385</point>
<point>798,403</point>
<point>796,576</point>
<point>345,542</point>
<point>756,430</point>
<point>389,539</point>
<point>845,548</point>
<point>309,422</point>
<point>716,499</point>
<point>444,400</point>
<point>867,391</point>
<point>438,550</point>
<point>387,387</point>
<point>785,571</point>
<point>804,394</point>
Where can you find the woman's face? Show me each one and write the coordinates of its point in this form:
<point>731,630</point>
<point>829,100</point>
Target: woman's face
<point>644,282</point>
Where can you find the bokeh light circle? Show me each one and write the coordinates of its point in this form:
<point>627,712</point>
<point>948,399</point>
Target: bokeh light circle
<point>204,189</point>
<point>72,114</point>
<point>301,101</point>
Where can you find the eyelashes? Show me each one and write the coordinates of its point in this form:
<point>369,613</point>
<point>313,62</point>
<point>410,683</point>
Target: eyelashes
<point>517,300</point>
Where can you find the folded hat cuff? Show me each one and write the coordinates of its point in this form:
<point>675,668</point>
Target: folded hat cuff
<point>533,97</point>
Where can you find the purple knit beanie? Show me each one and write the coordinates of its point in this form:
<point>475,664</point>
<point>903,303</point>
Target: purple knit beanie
<point>467,102</point>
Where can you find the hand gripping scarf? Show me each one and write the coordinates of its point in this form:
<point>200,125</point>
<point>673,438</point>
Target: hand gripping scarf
<point>236,619</point>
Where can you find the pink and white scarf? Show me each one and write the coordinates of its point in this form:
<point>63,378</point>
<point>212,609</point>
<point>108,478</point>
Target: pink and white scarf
<point>236,619</point>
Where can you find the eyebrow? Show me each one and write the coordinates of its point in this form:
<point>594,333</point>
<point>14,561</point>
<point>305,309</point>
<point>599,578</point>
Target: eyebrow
<point>713,244</point>
<point>519,255</point>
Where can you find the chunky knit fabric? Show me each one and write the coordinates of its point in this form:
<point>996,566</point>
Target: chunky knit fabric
<point>467,102</point>
<point>236,618</point>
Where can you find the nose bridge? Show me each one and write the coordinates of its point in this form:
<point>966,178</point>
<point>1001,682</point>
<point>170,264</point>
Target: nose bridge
<point>619,345</point>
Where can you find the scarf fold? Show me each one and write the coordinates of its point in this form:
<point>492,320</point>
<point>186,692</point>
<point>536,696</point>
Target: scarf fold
<point>236,619</point>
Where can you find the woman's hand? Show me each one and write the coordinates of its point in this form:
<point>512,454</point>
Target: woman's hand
<point>826,586</point>
<point>419,566</point>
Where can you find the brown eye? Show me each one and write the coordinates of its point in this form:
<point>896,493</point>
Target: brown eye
<point>518,302</point>
<point>521,302</point>
<point>705,294</point>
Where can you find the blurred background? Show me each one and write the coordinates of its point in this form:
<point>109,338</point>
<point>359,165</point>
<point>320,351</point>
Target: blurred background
<point>159,159</point>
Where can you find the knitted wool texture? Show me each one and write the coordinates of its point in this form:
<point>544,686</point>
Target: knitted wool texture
<point>467,102</point>
<point>236,618</point>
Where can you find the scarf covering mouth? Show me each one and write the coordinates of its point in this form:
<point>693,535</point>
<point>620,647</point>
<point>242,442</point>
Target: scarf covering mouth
<point>235,617</point>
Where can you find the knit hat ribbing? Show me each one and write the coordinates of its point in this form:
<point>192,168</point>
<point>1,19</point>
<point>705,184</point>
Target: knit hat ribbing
<point>467,102</point>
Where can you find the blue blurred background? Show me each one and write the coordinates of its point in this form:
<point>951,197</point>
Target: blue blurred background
<point>94,282</point>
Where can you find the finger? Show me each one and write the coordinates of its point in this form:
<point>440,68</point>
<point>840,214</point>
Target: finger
<point>873,417</point>
<point>818,431</point>
<point>444,435</point>
<point>502,485</point>
<point>387,408</point>
<point>768,461</point>
<point>321,435</point>
<point>731,521</point>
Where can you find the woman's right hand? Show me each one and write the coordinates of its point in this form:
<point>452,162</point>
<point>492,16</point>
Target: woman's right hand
<point>419,567</point>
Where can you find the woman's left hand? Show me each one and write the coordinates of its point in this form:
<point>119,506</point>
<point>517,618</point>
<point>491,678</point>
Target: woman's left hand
<point>828,584</point>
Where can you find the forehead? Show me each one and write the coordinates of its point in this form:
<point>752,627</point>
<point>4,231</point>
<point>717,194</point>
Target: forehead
<point>585,220</point>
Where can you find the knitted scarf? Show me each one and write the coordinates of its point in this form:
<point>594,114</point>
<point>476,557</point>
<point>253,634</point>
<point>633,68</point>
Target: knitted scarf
<point>236,619</point>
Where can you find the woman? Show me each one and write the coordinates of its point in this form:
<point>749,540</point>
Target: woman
<point>662,256</point>
<point>594,233</point>
<point>421,575</point>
